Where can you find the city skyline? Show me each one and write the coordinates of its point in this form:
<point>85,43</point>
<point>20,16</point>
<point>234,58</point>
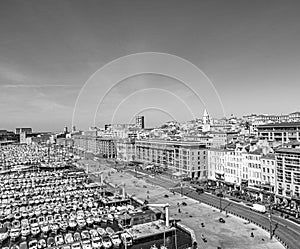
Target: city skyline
<point>49,49</point>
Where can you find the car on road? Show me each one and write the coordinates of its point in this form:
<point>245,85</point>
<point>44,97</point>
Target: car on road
<point>203,238</point>
<point>221,220</point>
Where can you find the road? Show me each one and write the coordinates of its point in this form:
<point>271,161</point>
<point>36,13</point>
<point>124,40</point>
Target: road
<point>287,232</point>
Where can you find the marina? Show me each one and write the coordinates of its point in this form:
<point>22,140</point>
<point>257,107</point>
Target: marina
<point>55,204</point>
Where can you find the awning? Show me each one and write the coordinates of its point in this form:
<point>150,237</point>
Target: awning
<point>253,189</point>
<point>178,174</point>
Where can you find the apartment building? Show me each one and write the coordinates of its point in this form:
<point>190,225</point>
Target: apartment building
<point>125,149</point>
<point>238,167</point>
<point>216,164</point>
<point>288,172</point>
<point>103,146</point>
<point>252,165</point>
<point>268,172</point>
<point>189,158</point>
<point>280,132</point>
<point>234,166</point>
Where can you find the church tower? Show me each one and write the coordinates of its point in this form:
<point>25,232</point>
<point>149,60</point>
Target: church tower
<point>206,118</point>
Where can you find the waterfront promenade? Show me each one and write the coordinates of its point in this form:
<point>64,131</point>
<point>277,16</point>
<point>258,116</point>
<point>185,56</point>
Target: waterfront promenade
<point>234,233</point>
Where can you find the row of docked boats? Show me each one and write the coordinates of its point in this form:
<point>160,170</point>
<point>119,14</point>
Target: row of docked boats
<point>86,239</point>
<point>50,208</point>
<point>23,154</point>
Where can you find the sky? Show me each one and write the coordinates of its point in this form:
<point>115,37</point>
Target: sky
<point>51,49</point>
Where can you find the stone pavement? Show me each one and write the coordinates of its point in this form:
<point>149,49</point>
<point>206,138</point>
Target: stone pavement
<point>233,234</point>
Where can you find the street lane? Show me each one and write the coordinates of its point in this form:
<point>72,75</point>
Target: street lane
<point>286,231</point>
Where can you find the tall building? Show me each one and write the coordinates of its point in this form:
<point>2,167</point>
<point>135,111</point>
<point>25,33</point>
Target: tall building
<point>140,122</point>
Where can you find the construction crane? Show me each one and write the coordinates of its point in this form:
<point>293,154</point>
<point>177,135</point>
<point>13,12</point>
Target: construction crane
<point>166,207</point>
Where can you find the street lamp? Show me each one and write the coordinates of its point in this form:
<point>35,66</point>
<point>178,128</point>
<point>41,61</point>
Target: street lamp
<point>270,216</point>
<point>181,188</point>
<point>220,195</point>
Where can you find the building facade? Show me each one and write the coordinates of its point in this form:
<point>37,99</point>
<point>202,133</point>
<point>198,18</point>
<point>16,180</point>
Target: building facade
<point>140,122</point>
<point>188,158</point>
<point>288,172</point>
<point>268,173</point>
<point>125,149</point>
<point>280,132</point>
<point>105,147</point>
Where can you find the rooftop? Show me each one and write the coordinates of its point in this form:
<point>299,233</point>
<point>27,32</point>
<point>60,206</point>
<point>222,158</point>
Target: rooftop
<point>148,229</point>
<point>283,124</point>
<point>288,150</point>
<point>268,156</point>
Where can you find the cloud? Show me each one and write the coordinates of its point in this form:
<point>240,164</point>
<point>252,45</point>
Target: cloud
<point>12,75</point>
<point>37,85</point>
